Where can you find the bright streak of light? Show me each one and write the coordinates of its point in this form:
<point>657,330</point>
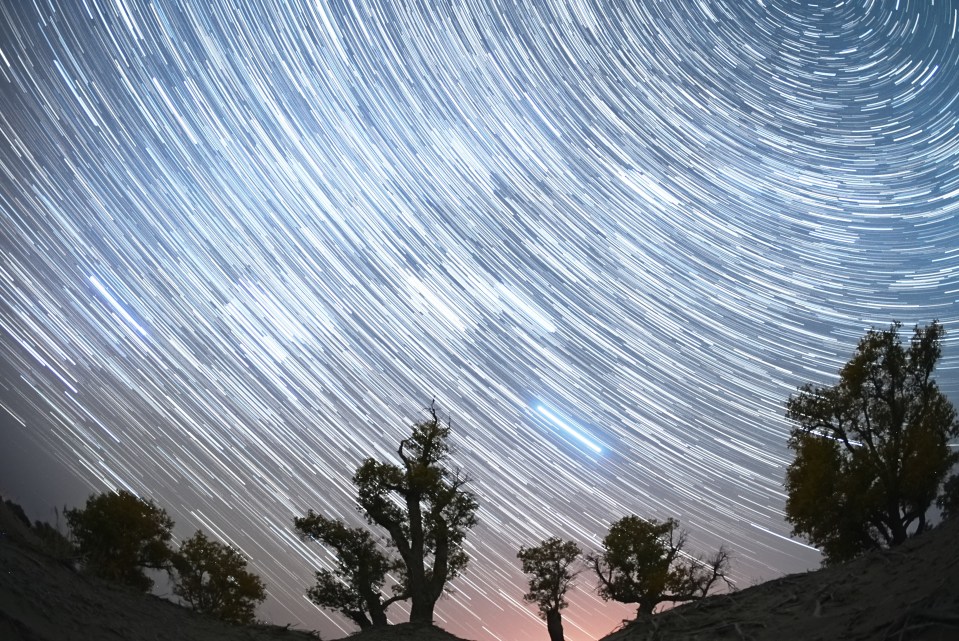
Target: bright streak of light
<point>785,538</point>
<point>569,430</point>
<point>116,305</point>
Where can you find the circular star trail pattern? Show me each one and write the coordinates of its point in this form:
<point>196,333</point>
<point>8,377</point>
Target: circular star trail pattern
<point>245,244</point>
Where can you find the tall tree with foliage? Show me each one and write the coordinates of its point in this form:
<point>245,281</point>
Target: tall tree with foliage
<point>643,562</point>
<point>212,578</point>
<point>118,535</point>
<point>423,504</point>
<point>355,587</point>
<point>871,451</point>
<point>548,565</point>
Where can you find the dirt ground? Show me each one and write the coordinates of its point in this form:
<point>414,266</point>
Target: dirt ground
<point>911,593</point>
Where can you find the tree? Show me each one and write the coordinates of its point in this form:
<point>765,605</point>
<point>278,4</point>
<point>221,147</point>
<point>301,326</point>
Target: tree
<point>643,562</point>
<point>549,566</point>
<point>354,588</point>
<point>119,534</point>
<point>424,507</point>
<point>871,451</point>
<point>212,578</point>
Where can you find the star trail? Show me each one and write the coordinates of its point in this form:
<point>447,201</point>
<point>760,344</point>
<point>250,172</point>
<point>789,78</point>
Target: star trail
<point>244,244</point>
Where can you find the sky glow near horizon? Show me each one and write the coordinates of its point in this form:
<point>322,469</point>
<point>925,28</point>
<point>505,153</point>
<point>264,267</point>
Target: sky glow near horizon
<point>245,243</point>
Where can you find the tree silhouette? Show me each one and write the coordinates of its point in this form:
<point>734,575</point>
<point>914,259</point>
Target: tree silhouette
<point>871,451</point>
<point>119,534</point>
<point>212,578</point>
<point>424,507</point>
<point>354,588</point>
<point>643,562</point>
<point>549,566</point>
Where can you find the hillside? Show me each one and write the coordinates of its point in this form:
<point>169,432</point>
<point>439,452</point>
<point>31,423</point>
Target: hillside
<point>911,593</point>
<point>43,599</point>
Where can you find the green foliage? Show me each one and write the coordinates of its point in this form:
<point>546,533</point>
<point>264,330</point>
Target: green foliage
<point>212,578</point>
<point>119,534</point>
<point>354,588</point>
<point>424,507</point>
<point>549,566</point>
<point>948,501</point>
<point>871,451</point>
<point>642,563</point>
<point>824,498</point>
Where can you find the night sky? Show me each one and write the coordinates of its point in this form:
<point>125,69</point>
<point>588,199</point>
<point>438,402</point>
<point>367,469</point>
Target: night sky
<point>244,244</point>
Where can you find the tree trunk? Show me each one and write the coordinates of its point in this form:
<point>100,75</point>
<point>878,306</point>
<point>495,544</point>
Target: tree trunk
<point>421,607</point>
<point>358,617</point>
<point>896,528</point>
<point>378,617</point>
<point>646,607</point>
<point>554,625</point>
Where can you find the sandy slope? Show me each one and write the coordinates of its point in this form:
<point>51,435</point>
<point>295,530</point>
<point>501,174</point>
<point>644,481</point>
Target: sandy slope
<point>910,593</point>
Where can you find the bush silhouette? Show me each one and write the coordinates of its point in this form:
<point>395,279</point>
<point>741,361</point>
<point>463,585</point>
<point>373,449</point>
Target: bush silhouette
<point>118,535</point>
<point>212,578</point>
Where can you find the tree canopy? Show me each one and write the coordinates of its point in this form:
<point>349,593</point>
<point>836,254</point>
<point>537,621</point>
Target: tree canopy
<point>119,534</point>
<point>871,451</point>
<point>354,588</point>
<point>212,578</point>
<point>643,562</point>
<point>423,504</point>
<point>548,565</point>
